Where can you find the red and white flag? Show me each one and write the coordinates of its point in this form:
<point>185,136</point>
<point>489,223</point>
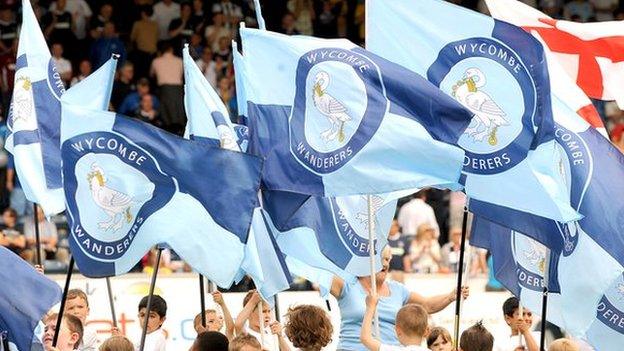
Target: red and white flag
<point>592,54</point>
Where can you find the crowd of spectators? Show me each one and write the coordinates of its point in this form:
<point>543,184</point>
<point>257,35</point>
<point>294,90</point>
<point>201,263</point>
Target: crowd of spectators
<point>149,35</point>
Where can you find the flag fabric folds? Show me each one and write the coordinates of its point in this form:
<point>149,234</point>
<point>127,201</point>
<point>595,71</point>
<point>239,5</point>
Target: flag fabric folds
<point>592,54</point>
<point>332,119</point>
<point>499,73</point>
<point>30,296</point>
<point>208,120</point>
<point>129,186</point>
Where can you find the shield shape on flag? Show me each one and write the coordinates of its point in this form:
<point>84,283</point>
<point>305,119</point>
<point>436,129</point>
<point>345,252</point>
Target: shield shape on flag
<point>531,257</point>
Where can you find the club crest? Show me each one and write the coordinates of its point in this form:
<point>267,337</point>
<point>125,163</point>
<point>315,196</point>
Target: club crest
<point>352,223</point>
<point>339,104</point>
<point>531,258</point>
<point>22,106</point>
<point>116,205</point>
<point>490,80</point>
<point>610,311</point>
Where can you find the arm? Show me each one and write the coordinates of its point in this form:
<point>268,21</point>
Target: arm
<point>243,316</point>
<point>436,303</point>
<point>217,297</point>
<point>525,329</point>
<point>336,287</point>
<point>366,333</point>
<point>276,329</point>
<point>174,31</point>
<point>10,176</point>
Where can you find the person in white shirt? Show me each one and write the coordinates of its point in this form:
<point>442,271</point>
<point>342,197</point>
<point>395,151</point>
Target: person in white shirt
<point>249,314</point>
<point>63,66</point>
<point>520,327</point>
<point>77,305</point>
<point>208,67</point>
<point>81,13</point>
<point>416,212</point>
<point>155,340</point>
<point>411,327</point>
<point>68,336</point>
<point>439,339</point>
<point>164,12</point>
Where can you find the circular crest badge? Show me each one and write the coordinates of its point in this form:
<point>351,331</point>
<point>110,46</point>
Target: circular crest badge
<point>531,256</point>
<point>339,105</point>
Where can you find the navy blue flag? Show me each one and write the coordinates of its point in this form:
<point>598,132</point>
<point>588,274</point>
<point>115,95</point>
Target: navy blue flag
<point>28,298</point>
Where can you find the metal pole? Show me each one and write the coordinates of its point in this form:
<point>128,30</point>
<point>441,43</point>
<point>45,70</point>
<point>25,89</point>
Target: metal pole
<point>202,300</point>
<point>545,302</point>
<point>37,236</point>
<point>371,252</point>
<point>5,341</point>
<point>462,251</point>
<point>328,305</point>
<point>259,17</point>
<point>466,274</point>
<point>261,323</point>
<point>149,299</point>
<point>278,316</point>
<point>111,302</point>
<point>59,319</point>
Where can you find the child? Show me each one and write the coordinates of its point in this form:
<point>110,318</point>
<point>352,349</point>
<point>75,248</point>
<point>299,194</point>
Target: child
<point>250,312</point>
<point>69,336</point>
<point>476,338</point>
<point>518,325</point>
<point>245,342</point>
<point>117,343</point>
<point>411,327</point>
<point>155,340</point>
<point>308,328</point>
<point>439,339</point>
<point>563,345</point>
<point>77,305</point>
<point>210,341</point>
<point>214,321</point>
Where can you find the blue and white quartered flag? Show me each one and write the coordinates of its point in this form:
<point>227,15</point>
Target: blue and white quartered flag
<point>332,119</point>
<point>129,186</point>
<point>22,305</point>
<point>499,72</point>
<point>263,260</point>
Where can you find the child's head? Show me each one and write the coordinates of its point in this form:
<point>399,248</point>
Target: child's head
<point>77,304</point>
<point>254,323</point>
<point>245,342</point>
<point>158,313</point>
<point>69,335</point>
<point>563,345</point>
<point>439,339</point>
<point>308,327</point>
<point>511,312</point>
<point>476,338</point>
<point>214,321</point>
<point>210,340</point>
<point>411,322</point>
<point>117,343</point>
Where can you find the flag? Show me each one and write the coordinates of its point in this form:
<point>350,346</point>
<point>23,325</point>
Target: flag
<point>499,73</point>
<point>332,119</point>
<point>129,185</point>
<point>24,304</point>
<point>592,54</point>
<point>263,260</point>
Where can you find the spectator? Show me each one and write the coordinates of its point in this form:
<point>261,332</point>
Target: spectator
<point>181,29</point>
<point>563,345</point>
<point>17,198</point>
<point>424,254</point>
<point>81,13</point>
<point>164,12</point>
<point>168,70</point>
<point>216,30</point>
<point>7,74</point>
<point>245,342</point>
<point>156,339</point>
<point>198,18</point>
<point>124,84</point>
<point>132,101</point>
<point>309,327</point>
<point>232,12</point>
<point>450,251</point>
<point>196,46</point>
<point>552,8</point>
<point>417,212</point>
<point>214,320</point>
<point>248,322</point>
<point>107,45</point>
<point>210,341</point>
<point>117,343</point>
<point>47,233</point>
<point>11,234</point>
<point>288,25</point>
<point>617,136</point>
<point>225,90</point>
<point>68,337</point>
<point>8,29</point>
<point>147,112</point>
<point>85,70</point>
<point>208,67</point>
<point>303,10</point>
<point>604,9</point>
<point>326,24</point>
<point>63,66</point>
<point>580,8</point>
<point>520,327</point>
<point>144,37</point>
<point>399,247</point>
<point>165,262</point>
<point>476,338</point>
<point>59,28</point>
<point>96,26</point>
<point>439,339</point>
<point>77,305</point>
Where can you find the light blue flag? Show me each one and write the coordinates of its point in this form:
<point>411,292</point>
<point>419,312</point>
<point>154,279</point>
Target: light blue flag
<point>324,114</point>
<point>499,73</point>
<point>129,186</point>
<point>263,260</point>
<point>35,117</point>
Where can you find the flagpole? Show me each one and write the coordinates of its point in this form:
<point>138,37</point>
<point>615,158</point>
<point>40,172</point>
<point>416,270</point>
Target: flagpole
<point>521,316</point>
<point>278,316</point>
<point>110,301</point>
<point>462,250</point>
<point>59,319</point>
<point>328,305</point>
<point>466,274</point>
<point>202,300</point>
<point>545,302</point>
<point>5,341</point>
<point>261,323</point>
<point>37,235</point>
<point>259,17</point>
<point>371,252</point>
<point>149,299</point>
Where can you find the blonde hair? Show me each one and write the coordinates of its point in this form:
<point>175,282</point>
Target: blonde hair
<point>412,320</point>
<point>117,343</point>
<point>74,293</point>
<point>308,327</point>
<point>563,345</point>
<point>244,340</point>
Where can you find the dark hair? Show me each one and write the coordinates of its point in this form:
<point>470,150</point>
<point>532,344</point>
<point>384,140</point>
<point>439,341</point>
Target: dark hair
<point>11,211</point>
<point>476,338</point>
<point>437,332</point>
<point>159,305</point>
<point>212,340</point>
<point>510,306</point>
<point>147,9</point>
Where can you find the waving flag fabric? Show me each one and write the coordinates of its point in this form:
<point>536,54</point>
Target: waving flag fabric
<point>592,54</point>
<point>22,305</point>
<point>499,73</point>
<point>332,119</point>
<point>129,186</point>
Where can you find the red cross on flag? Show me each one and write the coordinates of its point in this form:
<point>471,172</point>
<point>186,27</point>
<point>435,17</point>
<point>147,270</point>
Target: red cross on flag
<point>592,54</point>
